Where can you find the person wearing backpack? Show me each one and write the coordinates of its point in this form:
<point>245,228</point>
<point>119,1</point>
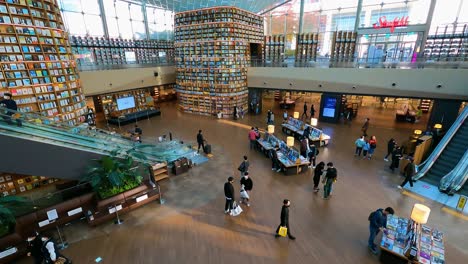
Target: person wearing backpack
<point>372,146</point>
<point>377,223</point>
<point>329,179</point>
<point>244,166</point>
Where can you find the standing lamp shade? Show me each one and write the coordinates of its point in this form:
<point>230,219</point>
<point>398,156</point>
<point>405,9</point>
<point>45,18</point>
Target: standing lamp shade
<point>420,213</point>
<point>296,115</point>
<point>290,141</point>
<point>271,129</point>
<point>438,126</point>
<point>417,132</point>
<point>313,122</point>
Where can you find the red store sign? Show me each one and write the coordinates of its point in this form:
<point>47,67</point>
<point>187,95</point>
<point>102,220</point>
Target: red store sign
<point>397,22</point>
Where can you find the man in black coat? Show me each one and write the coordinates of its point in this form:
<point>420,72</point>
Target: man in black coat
<point>35,248</point>
<point>229,195</point>
<point>247,182</point>
<point>285,219</point>
<point>200,141</point>
<point>390,147</point>
<point>10,104</point>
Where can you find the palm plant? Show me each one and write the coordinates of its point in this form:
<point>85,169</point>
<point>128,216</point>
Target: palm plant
<point>8,205</point>
<point>112,174</point>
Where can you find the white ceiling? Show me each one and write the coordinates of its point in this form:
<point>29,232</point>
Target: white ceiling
<point>254,6</point>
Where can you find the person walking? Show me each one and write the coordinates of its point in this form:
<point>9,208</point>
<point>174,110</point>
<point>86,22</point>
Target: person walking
<point>304,147</point>
<point>234,114</point>
<point>317,174</point>
<point>360,142</point>
<point>252,137</point>
<point>269,117</point>
<point>50,252</point>
<point>272,118</point>
<point>377,223</point>
<point>312,111</point>
<point>365,127</point>
<point>241,111</point>
<point>246,185</point>
<point>313,152</point>
<point>396,157</point>
<point>285,219</point>
<point>305,110</point>
<point>200,141</point>
<point>229,195</point>
<point>390,147</point>
<point>35,248</point>
<point>330,177</point>
<point>372,146</point>
<point>10,104</point>
<point>410,170</point>
<point>275,164</point>
<point>285,116</point>
<point>244,166</point>
<point>365,149</point>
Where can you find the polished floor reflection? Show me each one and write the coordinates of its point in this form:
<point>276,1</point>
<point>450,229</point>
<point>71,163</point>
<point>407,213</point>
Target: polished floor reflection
<point>190,226</point>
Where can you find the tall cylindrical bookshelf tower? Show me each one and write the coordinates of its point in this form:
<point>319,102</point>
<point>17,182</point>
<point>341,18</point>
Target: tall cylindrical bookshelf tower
<point>37,65</point>
<point>212,50</point>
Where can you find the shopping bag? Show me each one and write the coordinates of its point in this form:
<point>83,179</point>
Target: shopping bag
<point>283,231</point>
<point>237,210</point>
<point>244,194</point>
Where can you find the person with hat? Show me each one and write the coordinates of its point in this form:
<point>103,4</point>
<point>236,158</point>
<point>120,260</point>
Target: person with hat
<point>410,170</point>
<point>10,104</point>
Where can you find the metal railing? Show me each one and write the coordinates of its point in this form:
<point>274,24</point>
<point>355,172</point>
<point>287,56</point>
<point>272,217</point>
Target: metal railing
<point>104,67</point>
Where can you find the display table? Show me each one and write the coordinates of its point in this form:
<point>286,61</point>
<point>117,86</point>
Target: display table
<point>287,104</point>
<point>295,127</point>
<point>401,234</point>
<point>264,145</point>
<point>292,167</point>
<point>129,118</point>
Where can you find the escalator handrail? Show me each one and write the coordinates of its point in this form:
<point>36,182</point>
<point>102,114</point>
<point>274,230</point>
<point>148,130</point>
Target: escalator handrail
<point>97,133</point>
<point>429,162</point>
<point>457,177</point>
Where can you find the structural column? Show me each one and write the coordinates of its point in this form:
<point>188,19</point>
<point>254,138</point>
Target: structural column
<point>426,30</point>
<point>301,17</point>
<point>357,22</point>
<point>103,18</point>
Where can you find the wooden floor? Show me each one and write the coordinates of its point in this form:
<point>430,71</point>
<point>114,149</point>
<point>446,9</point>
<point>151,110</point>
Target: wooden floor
<point>192,228</point>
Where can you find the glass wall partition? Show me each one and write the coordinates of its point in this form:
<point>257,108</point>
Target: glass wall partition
<point>82,17</point>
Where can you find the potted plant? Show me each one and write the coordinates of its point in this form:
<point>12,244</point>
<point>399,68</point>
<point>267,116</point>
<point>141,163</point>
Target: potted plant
<point>7,218</point>
<point>112,175</point>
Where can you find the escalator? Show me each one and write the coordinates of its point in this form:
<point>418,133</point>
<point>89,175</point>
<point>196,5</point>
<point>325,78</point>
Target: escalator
<point>42,146</point>
<point>447,155</point>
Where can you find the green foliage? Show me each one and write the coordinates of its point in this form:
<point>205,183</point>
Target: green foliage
<point>7,217</point>
<point>112,175</point>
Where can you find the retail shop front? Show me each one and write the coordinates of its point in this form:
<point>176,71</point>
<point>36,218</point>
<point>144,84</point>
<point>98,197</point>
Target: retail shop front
<point>390,41</point>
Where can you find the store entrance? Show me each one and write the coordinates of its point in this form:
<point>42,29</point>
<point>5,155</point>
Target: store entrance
<point>388,48</point>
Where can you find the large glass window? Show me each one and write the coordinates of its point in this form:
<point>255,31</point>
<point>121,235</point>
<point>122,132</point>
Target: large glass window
<point>82,17</point>
<point>445,16</point>
<point>160,23</point>
<point>415,10</point>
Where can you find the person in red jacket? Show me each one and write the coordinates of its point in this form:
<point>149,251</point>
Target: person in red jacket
<point>253,137</point>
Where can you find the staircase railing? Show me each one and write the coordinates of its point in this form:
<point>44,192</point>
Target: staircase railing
<point>456,178</point>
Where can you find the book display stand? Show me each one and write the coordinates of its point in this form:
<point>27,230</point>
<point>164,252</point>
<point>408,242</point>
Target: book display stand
<point>343,46</point>
<point>273,49</point>
<point>212,50</point>
<point>36,63</point>
<point>306,48</point>
<point>447,44</point>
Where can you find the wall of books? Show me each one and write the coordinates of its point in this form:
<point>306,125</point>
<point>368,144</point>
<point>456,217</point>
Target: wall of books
<point>212,50</point>
<point>107,51</point>
<point>37,66</point>
<point>306,49</point>
<point>448,44</point>
<point>12,184</point>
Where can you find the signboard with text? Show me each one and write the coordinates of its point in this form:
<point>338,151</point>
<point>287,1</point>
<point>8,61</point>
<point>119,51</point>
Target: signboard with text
<point>397,22</point>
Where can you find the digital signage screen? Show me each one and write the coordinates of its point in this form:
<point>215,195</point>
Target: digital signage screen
<point>329,107</point>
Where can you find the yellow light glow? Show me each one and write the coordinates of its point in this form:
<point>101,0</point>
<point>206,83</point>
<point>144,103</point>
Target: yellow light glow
<point>314,122</point>
<point>417,132</point>
<point>271,129</point>
<point>296,115</point>
<point>420,213</point>
<point>290,141</point>
<point>438,126</point>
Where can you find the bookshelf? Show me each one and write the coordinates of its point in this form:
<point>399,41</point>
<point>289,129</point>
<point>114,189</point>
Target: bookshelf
<point>273,48</point>
<point>212,53</point>
<point>107,51</point>
<point>343,46</point>
<point>425,105</point>
<point>306,49</point>
<point>448,46</point>
<point>37,66</point>
<point>13,184</point>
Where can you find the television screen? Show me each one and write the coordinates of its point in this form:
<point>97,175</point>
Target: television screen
<point>125,103</point>
<point>329,107</point>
